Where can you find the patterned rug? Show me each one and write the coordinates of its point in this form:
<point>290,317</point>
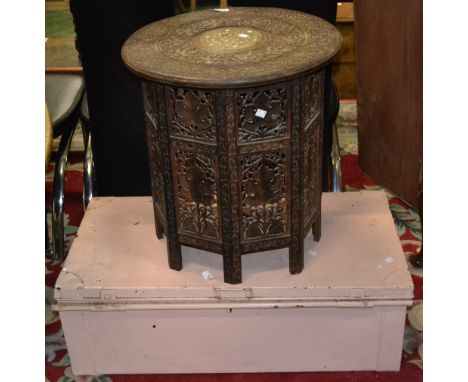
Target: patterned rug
<point>407,223</point>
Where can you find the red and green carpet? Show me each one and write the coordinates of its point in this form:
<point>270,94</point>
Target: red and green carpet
<point>407,223</point>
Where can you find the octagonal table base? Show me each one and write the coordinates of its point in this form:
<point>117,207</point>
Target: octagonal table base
<point>236,171</point>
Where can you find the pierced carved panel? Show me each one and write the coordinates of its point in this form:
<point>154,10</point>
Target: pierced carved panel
<point>253,128</point>
<point>263,195</point>
<point>191,114</point>
<point>196,193</point>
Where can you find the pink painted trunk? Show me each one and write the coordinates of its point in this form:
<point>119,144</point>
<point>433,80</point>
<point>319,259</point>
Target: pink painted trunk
<point>124,311</point>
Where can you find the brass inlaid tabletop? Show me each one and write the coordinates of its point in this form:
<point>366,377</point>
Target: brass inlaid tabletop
<point>235,48</point>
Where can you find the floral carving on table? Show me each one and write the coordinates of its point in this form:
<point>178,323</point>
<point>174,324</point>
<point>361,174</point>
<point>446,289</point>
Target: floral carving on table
<point>252,127</point>
<point>263,198</point>
<point>191,114</point>
<point>196,194</point>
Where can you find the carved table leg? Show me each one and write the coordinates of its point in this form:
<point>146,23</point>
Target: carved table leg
<point>173,245</point>
<point>317,228</point>
<point>229,200</point>
<point>296,255</point>
<point>296,246</point>
<point>175,255</point>
<point>159,229</point>
<point>232,265</point>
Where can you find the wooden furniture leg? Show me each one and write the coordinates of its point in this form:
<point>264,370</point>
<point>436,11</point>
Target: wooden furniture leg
<point>159,228</point>
<point>317,227</point>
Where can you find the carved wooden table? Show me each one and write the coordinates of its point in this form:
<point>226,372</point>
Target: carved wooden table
<point>233,103</point>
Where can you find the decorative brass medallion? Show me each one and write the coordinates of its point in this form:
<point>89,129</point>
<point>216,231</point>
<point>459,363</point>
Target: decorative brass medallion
<point>231,39</point>
<point>234,120</point>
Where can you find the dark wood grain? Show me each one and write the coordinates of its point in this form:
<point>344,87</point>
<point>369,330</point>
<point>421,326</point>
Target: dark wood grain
<point>389,70</point>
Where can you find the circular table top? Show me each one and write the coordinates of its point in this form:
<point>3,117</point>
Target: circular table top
<point>234,48</point>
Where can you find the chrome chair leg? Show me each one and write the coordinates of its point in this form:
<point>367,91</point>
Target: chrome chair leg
<point>88,169</point>
<point>58,194</point>
<point>335,162</point>
<point>48,248</point>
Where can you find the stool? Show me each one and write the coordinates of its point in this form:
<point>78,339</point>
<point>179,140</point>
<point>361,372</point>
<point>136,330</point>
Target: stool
<point>63,93</point>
